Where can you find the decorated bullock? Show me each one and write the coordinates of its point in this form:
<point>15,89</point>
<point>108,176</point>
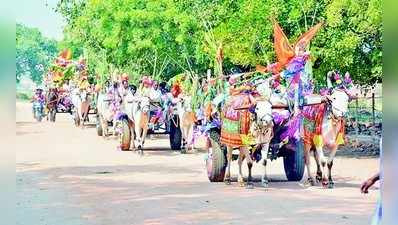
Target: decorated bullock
<point>324,125</point>
<point>246,125</point>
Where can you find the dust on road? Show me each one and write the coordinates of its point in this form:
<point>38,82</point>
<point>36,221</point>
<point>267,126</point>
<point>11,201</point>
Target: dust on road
<point>69,176</point>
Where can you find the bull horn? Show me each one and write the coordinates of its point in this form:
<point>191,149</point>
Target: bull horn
<point>328,81</point>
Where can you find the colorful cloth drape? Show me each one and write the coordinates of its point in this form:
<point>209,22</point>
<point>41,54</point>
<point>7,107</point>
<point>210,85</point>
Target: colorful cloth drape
<point>235,123</point>
<point>315,127</point>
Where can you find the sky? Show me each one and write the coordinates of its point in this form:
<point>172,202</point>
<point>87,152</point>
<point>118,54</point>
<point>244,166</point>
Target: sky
<point>40,14</point>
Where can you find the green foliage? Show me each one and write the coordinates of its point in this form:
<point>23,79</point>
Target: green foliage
<point>34,53</point>
<point>167,37</point>
<point>23,96</point>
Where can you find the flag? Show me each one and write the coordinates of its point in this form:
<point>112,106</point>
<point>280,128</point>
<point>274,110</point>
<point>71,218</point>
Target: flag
<point>283,49</point>
<point>303,41</point>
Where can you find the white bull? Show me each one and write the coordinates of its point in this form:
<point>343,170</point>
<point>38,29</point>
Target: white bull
<point>186,116</point>
<point>81,101</point>
<point>137,108</point>
<point>105,113</point>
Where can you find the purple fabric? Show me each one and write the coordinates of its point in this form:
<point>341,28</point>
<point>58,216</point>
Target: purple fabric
<point>324,91</point>
<point>40,98</point>
<point>347,79</point>
<point>113,94</point>
<point>293,131</point>
<point>279,117</point>
<point>295,67</point>
<point>252,109</point>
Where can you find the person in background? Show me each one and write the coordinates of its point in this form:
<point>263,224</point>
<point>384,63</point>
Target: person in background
<point>369,183</point>
<point>124,81</point>
<point>156,92</point>
<point>38,97</point>
<point>163,88</point>
<point>146,88</point>
<point>124,87</point>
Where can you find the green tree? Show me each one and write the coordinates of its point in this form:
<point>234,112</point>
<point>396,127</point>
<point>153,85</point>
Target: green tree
<point>33,53</point>
<point>167,37</point>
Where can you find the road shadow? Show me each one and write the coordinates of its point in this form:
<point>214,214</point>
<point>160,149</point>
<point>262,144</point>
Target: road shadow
<point>25,123</point>
<point>21,133</point>
<point>89,125</point>
<point>87,171</point>
<point>114,189</point>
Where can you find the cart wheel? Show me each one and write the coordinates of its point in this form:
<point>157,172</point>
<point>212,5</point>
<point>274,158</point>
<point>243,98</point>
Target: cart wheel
<point>216,161</point>
<point>293,163</point>
<point>125,135</point>
<point>38,115</point>
<point>175,135</point>
<point>53,113</point>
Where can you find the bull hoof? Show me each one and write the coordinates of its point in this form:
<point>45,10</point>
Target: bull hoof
<point>325,183</point>
<point>331,184</point>
<point>241,182</point>
<point>310,182</point>
<point>318,177</point>
<point>249,185</point>
<point>265,184</point>
<point>227,181</point>
<point>183,151</point>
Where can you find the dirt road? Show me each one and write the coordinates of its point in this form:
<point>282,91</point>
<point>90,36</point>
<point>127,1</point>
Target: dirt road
<point>70,176</point>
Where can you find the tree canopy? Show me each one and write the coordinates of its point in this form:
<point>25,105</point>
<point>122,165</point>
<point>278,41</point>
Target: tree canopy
<point>163,38</point>
<point>34,53</point>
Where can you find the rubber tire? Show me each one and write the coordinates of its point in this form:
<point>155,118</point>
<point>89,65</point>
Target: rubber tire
<point>38,115</point>
<point>216,161</point>
<point>294,164</point>
<point>125,136</point>
<point>98,126</point>
<point>52,113</point>
<point>175,135</point>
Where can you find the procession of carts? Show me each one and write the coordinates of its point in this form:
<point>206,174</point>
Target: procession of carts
<point>132,118</point>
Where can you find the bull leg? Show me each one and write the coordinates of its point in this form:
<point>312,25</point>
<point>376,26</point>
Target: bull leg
<point>227,177</point>
<point>190,137</point>
<point>144,132</point>
<point>81,116</point>
<point>240,175</point>
<point>308,165</point>
<point>114,125</point>
<point>318,168</point>
<point>322,161</point>
<point>184,136</point>
<point>184,146</point>
<point>104,126</point>
<point>330,165</point>
<point>139,138</point>
<point>137,126</point>
<point>264,153</point>
<point>249,161</point>
<point>131,127</point>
